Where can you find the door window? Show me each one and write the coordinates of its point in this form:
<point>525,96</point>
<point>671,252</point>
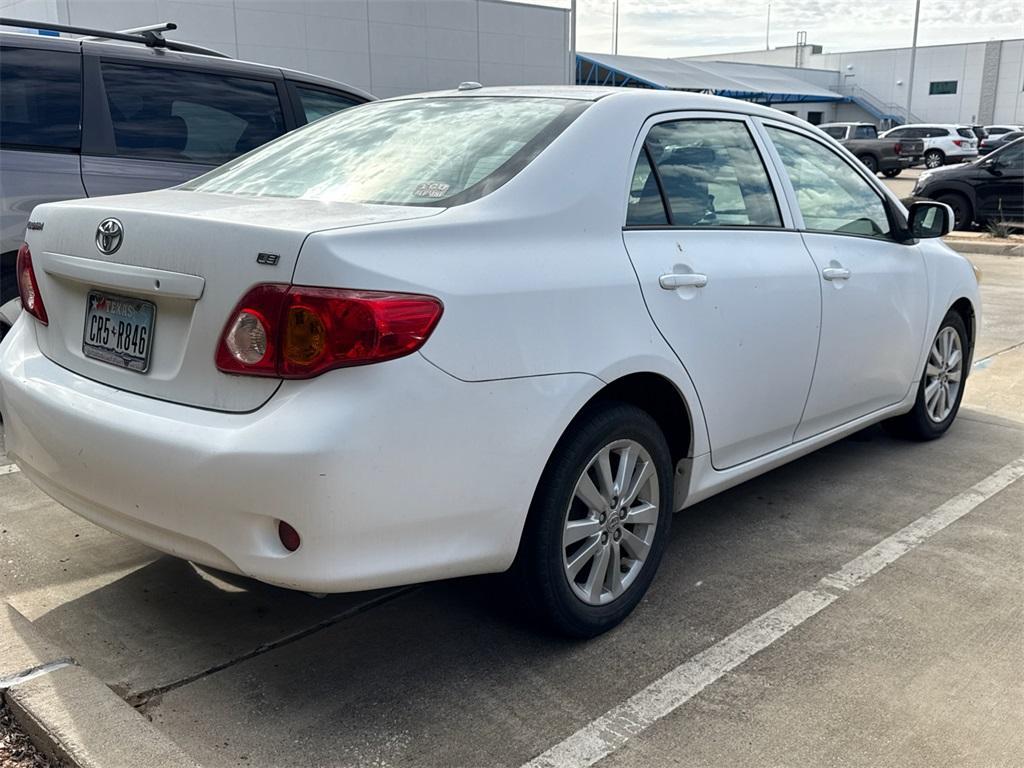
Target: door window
<point>175,114</point>
<point>836,131</point>
<point>317,103</point>
<point>40,99</point>
<point>832,196</point>
<point>646,207</point>
<point>865,132</point>
<point>711,175</point>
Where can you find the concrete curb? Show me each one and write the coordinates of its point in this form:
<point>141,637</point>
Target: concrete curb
<point>993,247</point>
<point>68,712</point>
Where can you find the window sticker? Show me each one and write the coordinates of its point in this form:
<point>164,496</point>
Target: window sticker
<point>434,189</point>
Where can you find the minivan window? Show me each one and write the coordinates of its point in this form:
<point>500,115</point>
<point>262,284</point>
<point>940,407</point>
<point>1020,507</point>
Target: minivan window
<point>317,103</point>
<point>437,152</point>
<point>832,196</point>
<point>712,174</point>
<point>160,113</point>
<point>40,99</point>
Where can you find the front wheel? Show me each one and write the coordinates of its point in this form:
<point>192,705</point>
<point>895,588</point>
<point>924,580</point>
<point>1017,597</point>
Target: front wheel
<point>599,521</point>
<point>942,383</point>
<point>963,214</point>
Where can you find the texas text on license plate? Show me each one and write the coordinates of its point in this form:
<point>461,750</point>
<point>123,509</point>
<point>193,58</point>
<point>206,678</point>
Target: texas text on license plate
<point>119,330</point>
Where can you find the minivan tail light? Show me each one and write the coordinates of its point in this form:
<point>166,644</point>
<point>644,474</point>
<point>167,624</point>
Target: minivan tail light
<point>28,287</point>
<point>297,332</point>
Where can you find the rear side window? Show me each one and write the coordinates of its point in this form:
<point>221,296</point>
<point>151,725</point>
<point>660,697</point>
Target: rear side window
<point>865,132</point>
<point>832,196</point>
<point>40,99</point>
<point>967,133</point>
<point>646,208</point>
<point>712,174</point>
<point>174,114</point>
<point>936,133</point>
<point>836,131</point>
<point>317,103</point>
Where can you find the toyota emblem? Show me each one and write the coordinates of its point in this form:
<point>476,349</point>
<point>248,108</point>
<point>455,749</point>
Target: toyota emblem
<point>109,235</point>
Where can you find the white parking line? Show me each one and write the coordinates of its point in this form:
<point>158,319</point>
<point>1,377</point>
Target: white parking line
<point>6,469</point>
<point>607,733</point>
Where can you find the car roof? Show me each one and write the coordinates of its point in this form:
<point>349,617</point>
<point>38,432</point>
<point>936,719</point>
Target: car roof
<point>142,52</point>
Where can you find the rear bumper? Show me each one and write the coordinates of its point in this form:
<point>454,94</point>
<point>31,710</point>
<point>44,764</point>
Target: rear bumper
<point>392,474</point>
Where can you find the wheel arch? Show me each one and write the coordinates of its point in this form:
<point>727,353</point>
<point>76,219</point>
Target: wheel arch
<point>965,308</point>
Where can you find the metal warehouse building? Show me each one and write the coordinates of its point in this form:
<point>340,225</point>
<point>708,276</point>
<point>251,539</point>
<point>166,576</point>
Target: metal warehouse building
<point>387,47</point>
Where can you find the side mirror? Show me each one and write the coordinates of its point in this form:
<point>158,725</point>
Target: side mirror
<point>929,219</point>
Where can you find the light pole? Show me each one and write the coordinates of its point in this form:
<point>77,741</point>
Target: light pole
<point>913,59</point>
<point>768,28</point>
<point>615,29</point>
<point>572,43</point>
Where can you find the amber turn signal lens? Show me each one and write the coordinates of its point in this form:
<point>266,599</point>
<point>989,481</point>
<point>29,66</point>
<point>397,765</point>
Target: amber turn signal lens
<point>305,337</point>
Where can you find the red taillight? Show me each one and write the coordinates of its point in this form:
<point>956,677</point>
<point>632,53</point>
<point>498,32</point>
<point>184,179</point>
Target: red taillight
<point>959,142</point>
<point>28,288</point>
<point>898,149</point>
<point>297,332</point>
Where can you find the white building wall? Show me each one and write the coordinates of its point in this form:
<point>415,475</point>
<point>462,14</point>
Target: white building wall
<point>1010,87</point>
<point>387,47</point>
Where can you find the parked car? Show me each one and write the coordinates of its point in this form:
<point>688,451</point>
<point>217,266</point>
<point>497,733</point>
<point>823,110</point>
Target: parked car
<point>979,132</point>
<point>890,156</point>
<point>943,144</point>
<point>84,118</point>
<point>998,140</point>
<point>377,364</point>
<point>993,130</point>
<point>989,189</point>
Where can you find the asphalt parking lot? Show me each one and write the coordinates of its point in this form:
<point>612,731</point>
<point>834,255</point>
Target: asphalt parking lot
<point>754,647</point>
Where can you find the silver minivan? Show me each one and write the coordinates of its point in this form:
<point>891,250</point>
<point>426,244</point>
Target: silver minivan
<point>83,118</point>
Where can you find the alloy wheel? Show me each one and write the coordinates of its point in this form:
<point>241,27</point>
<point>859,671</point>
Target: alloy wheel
<point>610,522</point>
<point>943,374</point>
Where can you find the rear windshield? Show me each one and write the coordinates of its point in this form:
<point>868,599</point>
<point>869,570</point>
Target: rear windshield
<point>438,152</point>
<point>865,132</point>
<point>967,133</point>
<point>836,131</point>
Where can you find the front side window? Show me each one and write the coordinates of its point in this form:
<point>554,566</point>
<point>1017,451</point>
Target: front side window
<point>832,196</point>
<point>317,103</point>
<point>438,152</point>
<point>40,99</point>
<point>175,114</point>
<point>712,175</point>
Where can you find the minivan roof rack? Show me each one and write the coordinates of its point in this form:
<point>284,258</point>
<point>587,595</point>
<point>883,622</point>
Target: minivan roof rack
<point>149,36</point>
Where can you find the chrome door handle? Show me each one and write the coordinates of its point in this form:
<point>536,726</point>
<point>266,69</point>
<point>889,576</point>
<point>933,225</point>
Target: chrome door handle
<point>674,280</point>
<point>835,273</point>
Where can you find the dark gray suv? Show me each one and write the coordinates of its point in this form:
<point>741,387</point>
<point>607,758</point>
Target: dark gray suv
<point>84,118</point>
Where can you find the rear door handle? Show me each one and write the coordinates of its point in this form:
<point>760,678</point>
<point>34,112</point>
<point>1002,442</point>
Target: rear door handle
<point>835,273</point>
<point>674,280</point>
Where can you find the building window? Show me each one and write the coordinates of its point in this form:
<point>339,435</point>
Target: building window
<point>939,87</point>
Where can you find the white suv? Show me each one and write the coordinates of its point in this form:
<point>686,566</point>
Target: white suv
<point>943,144</point>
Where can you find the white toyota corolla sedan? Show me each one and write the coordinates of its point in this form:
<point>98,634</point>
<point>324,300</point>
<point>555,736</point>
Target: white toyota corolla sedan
<point>469,331</point>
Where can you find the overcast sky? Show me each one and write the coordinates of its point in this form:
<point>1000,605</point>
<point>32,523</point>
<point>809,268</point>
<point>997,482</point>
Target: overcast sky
<point>689,28</point>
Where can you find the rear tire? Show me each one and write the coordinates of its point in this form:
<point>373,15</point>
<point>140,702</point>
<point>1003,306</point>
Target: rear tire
<point>942,384</point>
<point>588,585</point>
<point>963,213</point>
<point>892,173</point>
<point>934,158</point>
<point>869,162</point>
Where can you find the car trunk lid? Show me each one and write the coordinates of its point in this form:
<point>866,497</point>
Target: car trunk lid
<point>183,262</point>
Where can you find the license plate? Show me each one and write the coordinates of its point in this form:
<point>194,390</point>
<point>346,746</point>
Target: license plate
<point>119,330</point>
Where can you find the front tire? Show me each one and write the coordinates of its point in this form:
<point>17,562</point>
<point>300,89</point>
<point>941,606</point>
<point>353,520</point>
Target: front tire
<point>599,522</point>
<point>942,383</point>
<point>963,214</point>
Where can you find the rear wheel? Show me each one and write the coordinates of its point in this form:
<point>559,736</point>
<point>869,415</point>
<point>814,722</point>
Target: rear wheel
<point>599,522</point>
<point>942,383</point>
<point>963,214</point>
<point>870,162</point>
<point>892,173</point>
<point>933,158</point>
